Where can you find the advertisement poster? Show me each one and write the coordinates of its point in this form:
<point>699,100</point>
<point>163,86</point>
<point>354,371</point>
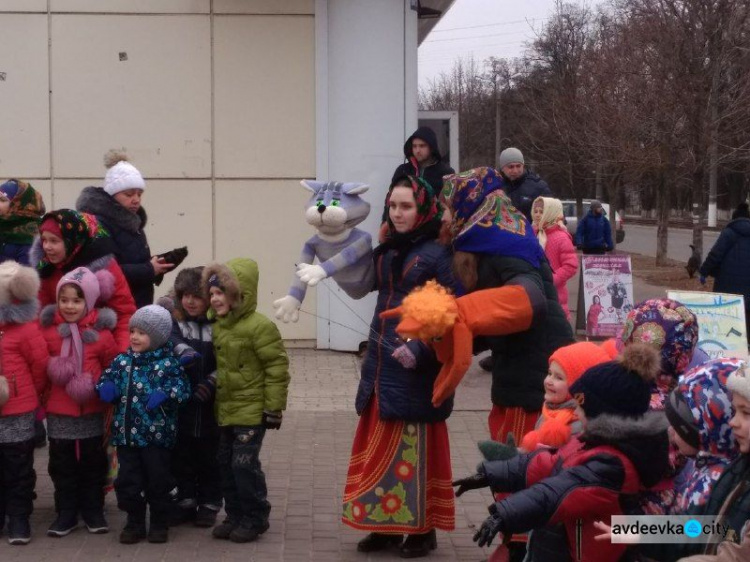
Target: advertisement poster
<point>607,293</point>
<point>721,320</point>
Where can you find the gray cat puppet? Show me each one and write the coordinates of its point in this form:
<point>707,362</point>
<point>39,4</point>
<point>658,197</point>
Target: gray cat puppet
<point>343,252</point>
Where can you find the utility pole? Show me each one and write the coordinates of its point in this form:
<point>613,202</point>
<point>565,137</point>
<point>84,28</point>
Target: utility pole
<point>599,190</point>
<point>713,150</point>
<point>498,135</point>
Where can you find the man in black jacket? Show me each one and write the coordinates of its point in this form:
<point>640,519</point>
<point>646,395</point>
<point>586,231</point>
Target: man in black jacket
<point>424,159</point>
<point>522,185</point>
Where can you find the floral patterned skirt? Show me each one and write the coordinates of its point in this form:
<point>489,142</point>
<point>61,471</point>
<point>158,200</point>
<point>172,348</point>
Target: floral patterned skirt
<point>399,477</point>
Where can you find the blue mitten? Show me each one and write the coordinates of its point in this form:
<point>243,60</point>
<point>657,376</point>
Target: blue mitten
<point>702,279</point>
<point>108,392</point>
<point>155,400</point>
<point>188,357</point>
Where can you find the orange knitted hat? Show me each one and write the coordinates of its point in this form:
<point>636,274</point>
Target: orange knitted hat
<point>577,358</point>
<point>611,347</point>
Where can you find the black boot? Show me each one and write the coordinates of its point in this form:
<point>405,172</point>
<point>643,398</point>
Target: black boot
<point>67,520</point>
<point>417,546</point>
<point>247,532</point>
<point>158,527</point>
<point>224,530</point>
<point>134,530</point>
<point>95,521</point>
<point>378,541</point>
<point>205,517</point>
<point>19,530</point>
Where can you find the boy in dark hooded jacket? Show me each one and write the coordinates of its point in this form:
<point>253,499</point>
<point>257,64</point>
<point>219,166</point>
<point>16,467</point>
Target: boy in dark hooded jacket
<point>194,462</point>
<point>423,159</point>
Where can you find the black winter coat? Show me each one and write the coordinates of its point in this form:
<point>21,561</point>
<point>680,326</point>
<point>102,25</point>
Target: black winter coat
<point>403,394</point>
<point>130,244</point>
<point>521,358</point>
<point>728,262</point>
<point>195,418</point>
<point>524,190</point>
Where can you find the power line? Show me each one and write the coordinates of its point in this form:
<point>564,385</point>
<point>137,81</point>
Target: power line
<point>487,25</point>
<point>474,37</point>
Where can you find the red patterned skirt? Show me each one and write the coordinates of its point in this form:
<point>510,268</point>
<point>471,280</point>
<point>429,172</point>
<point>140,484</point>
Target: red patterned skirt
<point>399,478</point>
<point>517,422</point>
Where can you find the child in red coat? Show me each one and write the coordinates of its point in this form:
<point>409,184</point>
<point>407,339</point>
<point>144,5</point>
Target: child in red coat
<point>68,240</point>
<point>23,359</point>
<point>81,345</point>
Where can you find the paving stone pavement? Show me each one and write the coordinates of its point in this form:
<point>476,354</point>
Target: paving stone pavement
<point>305,465</point>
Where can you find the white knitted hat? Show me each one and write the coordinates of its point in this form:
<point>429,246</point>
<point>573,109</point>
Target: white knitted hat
<point>739,382</point>
<point>121,174</point>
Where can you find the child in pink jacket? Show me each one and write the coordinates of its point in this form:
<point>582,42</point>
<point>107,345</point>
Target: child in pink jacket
<point>557,243</point>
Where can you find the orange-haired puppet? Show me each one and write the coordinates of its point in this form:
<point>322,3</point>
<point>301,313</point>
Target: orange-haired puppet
<point>432,314</point>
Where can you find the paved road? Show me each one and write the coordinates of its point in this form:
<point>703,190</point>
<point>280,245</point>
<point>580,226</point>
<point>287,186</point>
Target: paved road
<point>642,239</point>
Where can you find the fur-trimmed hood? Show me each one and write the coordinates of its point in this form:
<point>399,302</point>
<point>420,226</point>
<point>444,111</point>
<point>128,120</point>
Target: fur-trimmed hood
<point>19,289</point>
<point>98,202</point>
<point>19,313</point>
<point>644,440</point>
<point>239,279</point>
<point>96,321</point>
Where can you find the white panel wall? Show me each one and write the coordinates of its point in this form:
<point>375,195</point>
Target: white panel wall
<point>157,102</point>
<point>24,86</point>
<point>357,140</point>
<point>264,7</point>
<point>274,214</point>
<point>132,6</point>
<point>196,96</point>
<point>265,96</point>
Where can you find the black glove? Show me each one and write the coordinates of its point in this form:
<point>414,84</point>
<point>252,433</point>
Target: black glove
<point>176,257</point>
<point>488,530</point>
<point>272,420</point>
<point>473,482</point>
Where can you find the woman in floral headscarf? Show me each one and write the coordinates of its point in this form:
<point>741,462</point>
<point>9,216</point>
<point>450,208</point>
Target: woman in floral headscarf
<point>495,246</point>
<point>70,239</point>
<point>399,480</point>
<point>21,208</point>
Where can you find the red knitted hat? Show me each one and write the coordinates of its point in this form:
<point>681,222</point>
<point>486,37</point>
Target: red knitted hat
<point>577,358</point>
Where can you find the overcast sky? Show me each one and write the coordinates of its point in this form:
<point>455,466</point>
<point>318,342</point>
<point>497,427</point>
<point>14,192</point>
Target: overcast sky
<point>483,28</point>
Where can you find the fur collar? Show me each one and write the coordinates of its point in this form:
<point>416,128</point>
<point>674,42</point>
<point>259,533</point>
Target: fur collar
<point>19,313</point>
<point>643,440</point>
<point>104,319</point>
<point>610,428</point>
<point>98,202</point>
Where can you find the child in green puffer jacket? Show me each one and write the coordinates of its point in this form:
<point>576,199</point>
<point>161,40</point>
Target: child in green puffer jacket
<point>251,391</point>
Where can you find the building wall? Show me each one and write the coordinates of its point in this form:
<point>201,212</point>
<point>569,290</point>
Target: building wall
<point>214,102</point>
<point>367,106</point>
